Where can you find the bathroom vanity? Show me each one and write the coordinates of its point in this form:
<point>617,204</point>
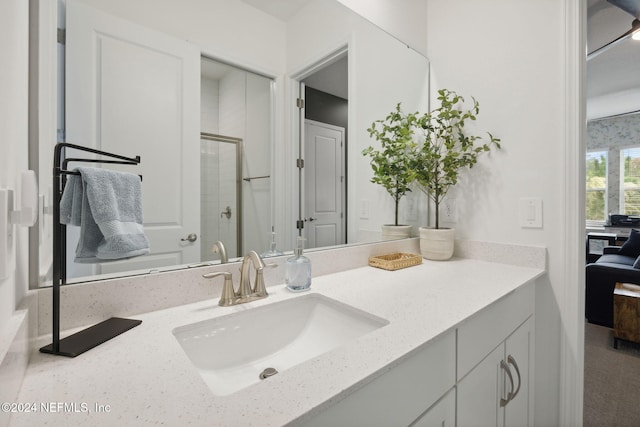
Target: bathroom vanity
<point>486,360</point>
<point>454,341</point>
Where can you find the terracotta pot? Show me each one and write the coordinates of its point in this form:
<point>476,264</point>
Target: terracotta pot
<point>437,244</point>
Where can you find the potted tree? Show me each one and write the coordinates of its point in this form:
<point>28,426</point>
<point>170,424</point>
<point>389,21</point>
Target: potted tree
<point>391,163</point>
<point>437,162</point>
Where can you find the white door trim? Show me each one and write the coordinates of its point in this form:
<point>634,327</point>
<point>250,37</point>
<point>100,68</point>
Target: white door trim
<point>571,303</point>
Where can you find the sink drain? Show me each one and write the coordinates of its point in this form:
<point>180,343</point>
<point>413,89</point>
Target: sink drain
<point>269,372</point>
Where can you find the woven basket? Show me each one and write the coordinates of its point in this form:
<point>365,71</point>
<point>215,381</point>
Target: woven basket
<point>395,261</point>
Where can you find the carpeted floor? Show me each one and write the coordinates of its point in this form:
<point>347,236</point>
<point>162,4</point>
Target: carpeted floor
<point>611,380</point>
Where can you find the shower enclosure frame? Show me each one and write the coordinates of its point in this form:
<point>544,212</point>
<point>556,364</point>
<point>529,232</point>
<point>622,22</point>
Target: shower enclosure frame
<point>238,178</point>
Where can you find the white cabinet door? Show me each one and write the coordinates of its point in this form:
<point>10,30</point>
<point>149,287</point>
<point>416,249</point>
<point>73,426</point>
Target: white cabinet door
<point>519,346</point>
<point>442,414</point>
<point>479,393</point>
<point>498,391</point>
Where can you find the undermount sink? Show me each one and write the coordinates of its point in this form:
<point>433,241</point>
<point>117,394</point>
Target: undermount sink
<point>233,352</point>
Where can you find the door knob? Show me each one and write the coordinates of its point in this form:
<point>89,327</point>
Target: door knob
<point>226,212</point>
<point>311,219</point>
<point>190,238</point>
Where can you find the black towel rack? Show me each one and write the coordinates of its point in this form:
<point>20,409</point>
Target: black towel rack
<point>95,335</point>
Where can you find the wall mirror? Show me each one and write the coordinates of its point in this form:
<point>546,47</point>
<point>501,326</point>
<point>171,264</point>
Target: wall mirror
<point>217,98</point>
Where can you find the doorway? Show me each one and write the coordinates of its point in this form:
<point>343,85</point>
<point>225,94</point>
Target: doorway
<point>220,194</point>
<point>324,122</point>
<point>235,152</point>
<point>324,184</point>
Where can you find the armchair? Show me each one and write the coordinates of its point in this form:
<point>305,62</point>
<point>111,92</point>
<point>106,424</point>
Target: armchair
<point>601,279</point>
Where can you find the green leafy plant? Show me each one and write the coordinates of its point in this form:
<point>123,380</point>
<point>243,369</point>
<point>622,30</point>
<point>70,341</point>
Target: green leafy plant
<point>447,149</point>
<point>391,163</point>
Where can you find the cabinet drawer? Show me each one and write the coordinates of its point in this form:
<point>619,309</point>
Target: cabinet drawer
<point>400,395</point>
<point>481,333</point>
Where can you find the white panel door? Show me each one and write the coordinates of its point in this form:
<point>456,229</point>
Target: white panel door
<point>519,410</point>
<point>134,91</point>
<point>324,184</point>
<point>479,393</point>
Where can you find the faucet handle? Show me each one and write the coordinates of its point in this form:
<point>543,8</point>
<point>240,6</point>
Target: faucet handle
<point>260,290</point>
<point>228,295</point>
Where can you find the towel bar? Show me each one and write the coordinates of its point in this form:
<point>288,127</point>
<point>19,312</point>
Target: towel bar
<point>95,335</point>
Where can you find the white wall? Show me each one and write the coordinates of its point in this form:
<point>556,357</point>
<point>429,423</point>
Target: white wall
<point>257,193</point>
<point>496,51</point>
<point>14,75</point>
<point>14,72</point>
<point>405,19</point>
<point>245,112</point>
<point>382,72</point>
<point>243,36</point>
<point>614,103</point>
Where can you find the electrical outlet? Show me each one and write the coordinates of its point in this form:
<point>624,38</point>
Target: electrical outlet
<point>364,209</point>
<point>448,208</point>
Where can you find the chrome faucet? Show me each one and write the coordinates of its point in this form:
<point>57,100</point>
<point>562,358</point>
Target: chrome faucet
<point>246,292</point>
<point>218,248</point>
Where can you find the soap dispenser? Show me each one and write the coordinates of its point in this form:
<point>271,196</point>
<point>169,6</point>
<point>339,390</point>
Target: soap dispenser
<point>297,275</point>
<point>273,251</point>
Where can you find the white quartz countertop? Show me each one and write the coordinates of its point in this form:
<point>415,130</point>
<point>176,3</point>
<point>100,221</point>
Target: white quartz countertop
<point>143,377</point>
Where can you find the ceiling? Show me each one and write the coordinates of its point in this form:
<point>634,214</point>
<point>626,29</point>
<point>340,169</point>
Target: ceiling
<point>281,9</point>
<point>613,77</point>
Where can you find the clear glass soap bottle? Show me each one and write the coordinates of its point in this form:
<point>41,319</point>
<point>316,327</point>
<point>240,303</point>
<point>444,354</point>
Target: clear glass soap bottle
<point>273,250</point>
<point>297,274</point>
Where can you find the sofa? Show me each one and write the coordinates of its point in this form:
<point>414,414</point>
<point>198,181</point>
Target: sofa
<point>617,264</point>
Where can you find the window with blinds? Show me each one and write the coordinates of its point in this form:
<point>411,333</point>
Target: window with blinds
<point>596,197</point>
<point>630,171</point>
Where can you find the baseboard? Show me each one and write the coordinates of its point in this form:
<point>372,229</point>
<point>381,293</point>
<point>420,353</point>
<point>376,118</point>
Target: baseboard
<point>14,357</point>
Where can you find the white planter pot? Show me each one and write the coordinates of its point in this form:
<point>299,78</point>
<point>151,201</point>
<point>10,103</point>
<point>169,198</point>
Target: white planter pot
<point>437,244</point>
<point>395,232</point>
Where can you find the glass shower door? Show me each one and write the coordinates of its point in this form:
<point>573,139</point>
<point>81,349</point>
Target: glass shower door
<point>221,194</point>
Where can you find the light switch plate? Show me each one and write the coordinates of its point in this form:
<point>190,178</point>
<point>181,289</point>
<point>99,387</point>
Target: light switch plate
<point>530,212</point>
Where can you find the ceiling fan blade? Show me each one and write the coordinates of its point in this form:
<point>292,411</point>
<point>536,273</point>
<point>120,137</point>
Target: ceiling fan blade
<point>635,26</point>
<point>630,6</point>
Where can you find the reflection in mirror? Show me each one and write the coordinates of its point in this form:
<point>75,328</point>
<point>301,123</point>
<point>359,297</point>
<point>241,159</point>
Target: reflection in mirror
<point>324,147</point>
<point>154,95</point>
<point>235,170</point>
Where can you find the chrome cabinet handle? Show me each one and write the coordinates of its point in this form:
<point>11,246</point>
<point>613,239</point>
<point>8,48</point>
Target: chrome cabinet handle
<point>503,401</point>
<point>190,238</point>
<point>512,361</point>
